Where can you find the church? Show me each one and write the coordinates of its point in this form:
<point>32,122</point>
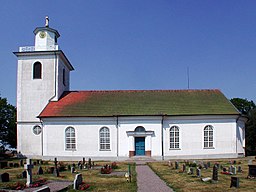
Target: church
<point>54,121</point>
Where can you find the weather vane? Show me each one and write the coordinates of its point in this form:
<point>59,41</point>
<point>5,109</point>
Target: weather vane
<point>46,21</point>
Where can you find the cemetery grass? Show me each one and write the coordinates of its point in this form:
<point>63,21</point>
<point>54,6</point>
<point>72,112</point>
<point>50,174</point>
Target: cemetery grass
<point>97,181</point>
<point>182,182</point>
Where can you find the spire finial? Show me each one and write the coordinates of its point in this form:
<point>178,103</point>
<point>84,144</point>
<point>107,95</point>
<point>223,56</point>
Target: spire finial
<point>46,21</point>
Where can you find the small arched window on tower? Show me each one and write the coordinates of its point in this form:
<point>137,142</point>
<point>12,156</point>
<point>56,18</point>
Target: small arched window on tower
<point>37,70</point>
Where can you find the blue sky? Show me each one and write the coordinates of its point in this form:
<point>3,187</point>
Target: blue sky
<point>140,44</point>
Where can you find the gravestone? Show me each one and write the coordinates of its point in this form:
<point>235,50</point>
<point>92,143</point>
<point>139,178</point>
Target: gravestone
<point>183,168</point>
<point>191,170</point>
<point>234,182</point>
<point>252,171</point>
<point>239,169</point>
<point>205,165</point>
<point>21,163</point>
<point>24,174</point>
<point>40,171</point>
<point>56,170</point>
<point>5,177</point>
<point>198,172</point>
<point>28,167</point>
<point>209,164</point>
<point>72,169</point>
<point>233,170</point>
<point>78,181</point>
<point>215,173</point>
<point>89,163</point>
<point>176,165</point>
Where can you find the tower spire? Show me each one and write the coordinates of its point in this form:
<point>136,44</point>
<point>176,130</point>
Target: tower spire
<point>46,21</point>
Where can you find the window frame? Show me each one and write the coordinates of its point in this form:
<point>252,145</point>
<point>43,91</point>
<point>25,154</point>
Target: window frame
<point>37,129</point>
<point>37,70</point>
<point>208,137</point>
<point>104,139</point>
<point>174,138</point>
<point>70,140</point>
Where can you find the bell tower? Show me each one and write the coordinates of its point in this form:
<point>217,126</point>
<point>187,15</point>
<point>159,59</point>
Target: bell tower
<point>43,74</point>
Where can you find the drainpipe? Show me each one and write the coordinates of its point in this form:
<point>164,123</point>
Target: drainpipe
<point>42,142</point>
<point>162,136</point>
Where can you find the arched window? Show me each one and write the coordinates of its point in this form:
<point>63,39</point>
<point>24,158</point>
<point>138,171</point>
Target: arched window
<point>104,138</point>
<point>70,135</point>
<point>174,137</point>
<point>208,136</point>
<point>37,70</point>
<point>139,129</point>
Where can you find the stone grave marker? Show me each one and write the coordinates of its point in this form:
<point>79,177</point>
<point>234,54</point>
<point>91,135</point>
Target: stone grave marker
<point>89,163</point>
<point>239,169</point>
<point>191,170</point>
<point>24,174</point>
<point>209,164</point>
<point>198,172</point>
<point>215,173</point>
<point>40,171</point>
<point>28,167</point>
<point>56,172</point>
<point>5,177</point>
<point>205,165</point>
<point>176,165</point>
<point>78,180</point>
<point>252,171</point>
<point>234,182</point>
<point>21,163</point>
<point>233,170</point>
<point>183,168</point>
<point>72,169</point>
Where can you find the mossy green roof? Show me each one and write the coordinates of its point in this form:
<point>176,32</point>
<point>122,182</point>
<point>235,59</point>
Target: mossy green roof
<point>139,103</point>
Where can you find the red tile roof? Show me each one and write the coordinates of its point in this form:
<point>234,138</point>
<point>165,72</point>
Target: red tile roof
<point>139,102</point>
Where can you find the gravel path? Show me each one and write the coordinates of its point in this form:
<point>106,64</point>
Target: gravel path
<point>148,181</point>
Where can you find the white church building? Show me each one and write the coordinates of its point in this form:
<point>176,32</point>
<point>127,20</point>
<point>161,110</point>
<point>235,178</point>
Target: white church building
<point>53,121</point>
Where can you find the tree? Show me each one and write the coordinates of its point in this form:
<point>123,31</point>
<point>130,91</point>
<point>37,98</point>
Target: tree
<point>243,105</point>
<point>248,109</point>
<point>8,134</point>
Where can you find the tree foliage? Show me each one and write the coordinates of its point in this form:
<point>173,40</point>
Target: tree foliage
<point>248,109</point>
<point>7,124</point>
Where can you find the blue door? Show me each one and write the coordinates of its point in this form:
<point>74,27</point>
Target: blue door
<point>139,145</point>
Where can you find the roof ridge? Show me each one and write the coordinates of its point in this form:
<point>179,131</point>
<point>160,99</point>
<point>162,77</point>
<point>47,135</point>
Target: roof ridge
<point>148,90</point>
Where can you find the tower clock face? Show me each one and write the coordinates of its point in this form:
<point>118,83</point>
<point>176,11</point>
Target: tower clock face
<point>42,34</point>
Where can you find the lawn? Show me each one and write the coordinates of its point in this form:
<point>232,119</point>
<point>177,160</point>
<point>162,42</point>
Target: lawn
<point>185,182</point>
<point>97,181</point>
